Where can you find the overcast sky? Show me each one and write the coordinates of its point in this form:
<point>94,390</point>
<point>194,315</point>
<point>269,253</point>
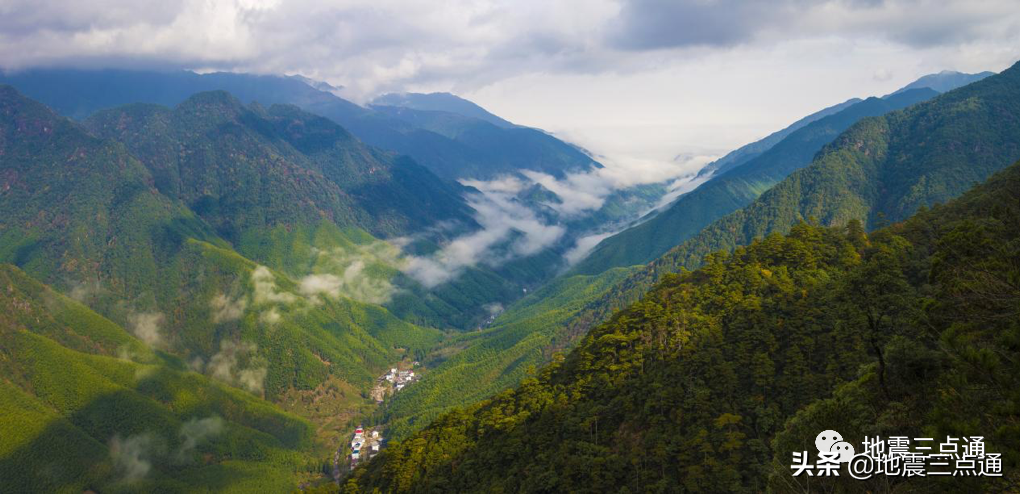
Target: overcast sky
<point>640,80</point>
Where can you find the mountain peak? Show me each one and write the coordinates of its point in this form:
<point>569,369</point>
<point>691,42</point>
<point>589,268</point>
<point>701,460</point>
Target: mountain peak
<point>213,99</point>
<point>445,102</point>
<point>944,81</point>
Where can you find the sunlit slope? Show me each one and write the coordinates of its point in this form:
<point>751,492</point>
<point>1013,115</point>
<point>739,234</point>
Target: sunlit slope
<point>737,187</point>
<point>475,365</point>
<point>82,214</point>
<point>85,405</point>
<point>717,375</point>
<point>880,170</point>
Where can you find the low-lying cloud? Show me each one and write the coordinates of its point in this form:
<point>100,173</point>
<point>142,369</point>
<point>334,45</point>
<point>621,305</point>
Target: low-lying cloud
<point>509,229</point>
<point>146,327</point>
<point>347,272</point>
<point>225,309</point>
<point>514,228</point>
<point>265,289</point>
<point>194,432</point>
<point>132,457</point>
<point>236,364</point>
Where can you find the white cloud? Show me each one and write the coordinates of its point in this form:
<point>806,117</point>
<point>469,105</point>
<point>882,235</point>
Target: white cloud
<point>270,317</point>
<point>146,327</point>
<point>194,432</point>
<point>583,247</point>
<point>265,289</point>
<point>133,456</point>
<point>509,230</point>
<point>348,273</point>
<point>225,309</point>
<point>238,364</point>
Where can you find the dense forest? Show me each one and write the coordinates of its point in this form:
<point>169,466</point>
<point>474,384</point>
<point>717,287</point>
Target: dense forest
<point>731,190</point>
<point>878,171</point>
<point>719,374</point>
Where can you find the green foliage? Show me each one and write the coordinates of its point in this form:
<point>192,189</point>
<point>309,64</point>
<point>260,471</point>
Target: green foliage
<point>77,414</point>
<point>716,375</point>
<point>880,170</point>
<point>736,188</point>
<point>472,366</point>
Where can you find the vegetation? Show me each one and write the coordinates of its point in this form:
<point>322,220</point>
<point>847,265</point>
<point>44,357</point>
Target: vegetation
<point>737,187</point>
<point>84,405</point>
<point>717,375</point>
<point>450,143</point>
<point>472,366</point>
<point>880,170</point>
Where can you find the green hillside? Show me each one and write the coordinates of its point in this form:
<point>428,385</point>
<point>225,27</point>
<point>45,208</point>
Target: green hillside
<point>736,188</point>
<point>483,149</point>
<point>880,170</point>
<point>473,366</point>
<point>247,168</point>
<point>993,127</point>
<point>303,328</point>
<point>717,375</point>
<point>105,234</point>
<point>84,405</point>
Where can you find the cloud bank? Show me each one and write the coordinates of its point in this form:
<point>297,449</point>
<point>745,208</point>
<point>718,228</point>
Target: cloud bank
<point>375,46</point>
<point>509,230</point>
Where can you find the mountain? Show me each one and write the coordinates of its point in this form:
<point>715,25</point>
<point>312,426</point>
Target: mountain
<point>469,147</point>
<point>731,190</point>
<point>718,375</point>
<point>947,80</point>
<point>748,152</point>
<point>755,168</point>
<point>303,324</point>
<point>440,102</point>
<point>455,146</point>
<point>938,147</point>
<point>244,168</point>
<point>87,406</point>
<point>881,169</point>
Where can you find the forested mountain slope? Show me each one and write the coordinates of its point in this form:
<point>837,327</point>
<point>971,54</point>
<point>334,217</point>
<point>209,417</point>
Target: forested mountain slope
<point>880,170</point>
<point>479,150</point>
<point>717,375</point>
<point>244,168</point>
<point>736,188</point>
<point>750,151</point>
<point>84,216</point>
<point>86,406</point>
<point>989,128</point>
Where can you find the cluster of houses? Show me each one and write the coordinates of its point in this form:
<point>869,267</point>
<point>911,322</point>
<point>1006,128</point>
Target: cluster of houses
<point>364,445</point>
<point>399,378</point>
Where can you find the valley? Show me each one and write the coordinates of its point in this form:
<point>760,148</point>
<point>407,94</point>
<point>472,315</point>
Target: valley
<point>219,273</point>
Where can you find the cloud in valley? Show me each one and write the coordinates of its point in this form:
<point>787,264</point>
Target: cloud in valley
<point>133,456</point>
<point>237,364</point>
<point>265,289</point>
<point>225,309</point>
<point>358,272</point>
<point>509,230</point>
<point>146,327</point>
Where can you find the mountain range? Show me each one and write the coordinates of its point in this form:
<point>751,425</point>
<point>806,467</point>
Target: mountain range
<point>453,138</point>
<point>202,278</point>
<point>831,299</point>
<point>534,328</point>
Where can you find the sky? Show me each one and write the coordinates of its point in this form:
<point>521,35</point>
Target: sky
<point>631,80</point>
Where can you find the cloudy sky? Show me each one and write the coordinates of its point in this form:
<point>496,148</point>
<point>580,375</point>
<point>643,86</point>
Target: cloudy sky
<point>637,80</point>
